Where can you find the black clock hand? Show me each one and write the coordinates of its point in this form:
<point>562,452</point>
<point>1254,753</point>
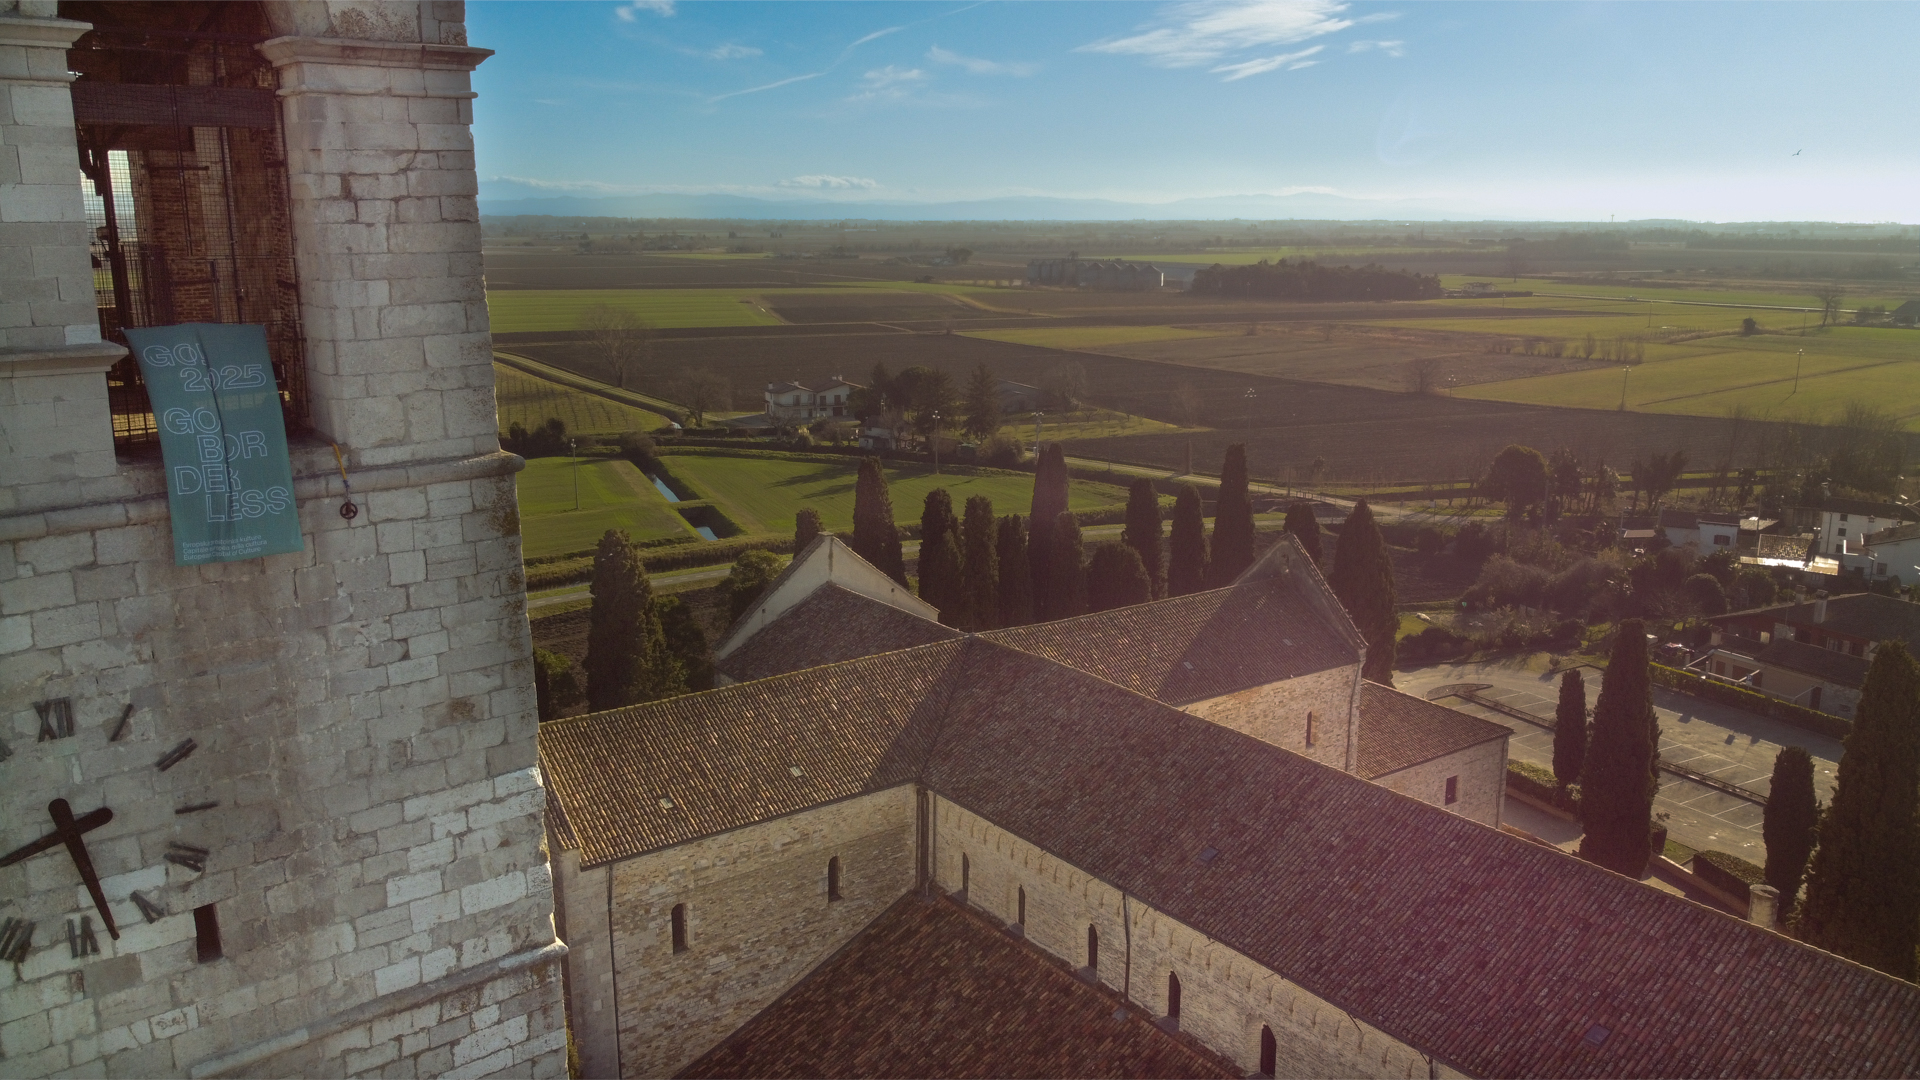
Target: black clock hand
<point>86,822</point>
<point>65,825</point>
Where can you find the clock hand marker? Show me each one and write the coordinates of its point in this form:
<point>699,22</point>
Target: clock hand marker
<point>71,831</point>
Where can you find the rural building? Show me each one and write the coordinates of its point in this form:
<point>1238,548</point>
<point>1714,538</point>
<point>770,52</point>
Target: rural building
<point>1193,810</point>
<point>1840,525</point>
<point>304,783</point>
<point>1703,532</point>
<point>1895,554</point>
<point>1111,275</point>
<point>819,399</point>
<point>1812,653</point>
<point>1907,314</point>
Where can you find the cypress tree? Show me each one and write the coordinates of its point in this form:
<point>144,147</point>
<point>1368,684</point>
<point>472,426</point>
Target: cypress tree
<point>685,642</point>
<point>1187,545</point>
<point>1069,568</point>
<point>1363,580</point>
<point>1618,782</point>
<point>979,566</point>
<point>1863,886</point>
<point>1232,549</point>
<point>1302,524</point>
<point>806,526</point>
<point>1142,533</point>
<point>1791,822</point>
<point>626,654</point>
<point>555,683</point>
<point>1049,499</point>
<point>875,538</point>
<point>1116,578</point>
<point>1570,729</point>
<point>1016,587</point>
<point>940,556</point>
<point>752,572</point>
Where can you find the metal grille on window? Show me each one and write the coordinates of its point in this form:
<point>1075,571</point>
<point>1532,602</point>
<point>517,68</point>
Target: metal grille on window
<point>183,173</point>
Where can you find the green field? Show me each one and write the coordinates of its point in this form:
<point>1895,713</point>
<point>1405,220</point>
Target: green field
<point>519,310</point>
<point>1711,375</point>
<point>1642,290</point>
<point>1249,256</point>
<point>1091,337</point>
<point>529,400</point>
<point>613,495</point>
<point>764,494</point>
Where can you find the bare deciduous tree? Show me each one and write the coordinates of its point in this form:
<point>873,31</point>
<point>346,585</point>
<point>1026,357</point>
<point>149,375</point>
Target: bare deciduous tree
<point>1423,375</point>
<point>702,392</point>
<point>1828,297</point>
<point>1186,406</point>
<point>619,338</point>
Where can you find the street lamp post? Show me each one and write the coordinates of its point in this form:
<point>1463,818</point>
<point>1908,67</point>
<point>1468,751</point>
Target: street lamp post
<point>1037,417</point>
<point>571,452</point>
<point>1624,372</point>
<point>1799,355</point>
<point>936,443</point>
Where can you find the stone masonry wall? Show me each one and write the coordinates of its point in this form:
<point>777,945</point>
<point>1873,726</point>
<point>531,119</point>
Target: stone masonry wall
<point>1482,781</point>
<point>1277,713</point>
<point>758,920</point>
<point>1225,997</point>
<point>580,913</point>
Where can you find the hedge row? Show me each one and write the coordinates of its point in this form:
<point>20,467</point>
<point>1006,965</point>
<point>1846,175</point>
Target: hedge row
<point>817,456</point>
<point>587,553</point>
<point>1728,872</point>
<point>1752,701</point>
<point>1538,783</point>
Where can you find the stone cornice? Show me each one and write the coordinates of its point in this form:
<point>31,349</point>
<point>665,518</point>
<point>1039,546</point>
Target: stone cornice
<point>64,360</point>
<point>40,33</point>
<point>349,52</point>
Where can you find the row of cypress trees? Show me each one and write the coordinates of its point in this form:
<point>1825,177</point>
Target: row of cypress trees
<point>1859,860</point>
<point>639,647</point>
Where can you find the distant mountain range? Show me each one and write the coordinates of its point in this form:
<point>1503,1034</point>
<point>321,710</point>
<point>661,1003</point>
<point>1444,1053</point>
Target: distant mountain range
<point>1303,206</point>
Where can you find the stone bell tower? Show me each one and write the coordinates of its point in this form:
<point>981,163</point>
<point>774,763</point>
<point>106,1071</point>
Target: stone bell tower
<point>276,816</point>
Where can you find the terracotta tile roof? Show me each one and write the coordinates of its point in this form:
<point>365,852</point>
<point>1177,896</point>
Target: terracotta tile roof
<point>831,625</point>
<point>1862,615</point>
<point>724,758</point>
<point>1192,648</point>
<point>931,990</point>
<point>1398,731</point>
<point>1493,955</point>
<point>1834,667</point>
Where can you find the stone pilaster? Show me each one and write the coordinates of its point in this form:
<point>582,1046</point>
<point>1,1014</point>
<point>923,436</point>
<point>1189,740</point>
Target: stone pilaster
<point>387,230</point>
<point>53,398</point>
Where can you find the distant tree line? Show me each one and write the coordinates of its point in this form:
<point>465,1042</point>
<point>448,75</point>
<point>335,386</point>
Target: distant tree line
<point>1308,280</point>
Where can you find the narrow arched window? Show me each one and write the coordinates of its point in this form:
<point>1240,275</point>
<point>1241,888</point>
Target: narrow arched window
<point>1269,1051</point>
<point>1173,996</point>
<point>1022,920</point>
<point>1093,948</point>
<point>679,928</point>
<point>965,869</point>
<point>833,879</point>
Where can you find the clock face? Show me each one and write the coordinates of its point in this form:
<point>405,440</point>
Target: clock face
<point>65,835</point>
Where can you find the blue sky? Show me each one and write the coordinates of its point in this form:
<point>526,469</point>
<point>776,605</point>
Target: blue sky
<point>1523,110</point>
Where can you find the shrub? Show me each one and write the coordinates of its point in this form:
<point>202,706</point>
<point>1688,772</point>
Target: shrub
<point>1727,872</point>
<point>1429,540</point>
<point>1474,542</point>
<point>1434,643</point>
<point>1002,452</point>
<point>752,572</point>
<point>1538,783</point>
<point>1505,583</point>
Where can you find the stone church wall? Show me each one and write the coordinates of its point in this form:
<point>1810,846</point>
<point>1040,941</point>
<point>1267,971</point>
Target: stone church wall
<point>1225,997</point>
<point>1277,713</point>
<point>361,779</point>
<point>1482,781</point>
<point>758,919</point>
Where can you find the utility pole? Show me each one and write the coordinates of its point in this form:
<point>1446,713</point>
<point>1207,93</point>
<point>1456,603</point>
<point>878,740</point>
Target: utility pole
<point>1036,432</point>
<point>571,452</point>
<point>1799,355</point>
<point>1624,372</point>
<point>936,443</point>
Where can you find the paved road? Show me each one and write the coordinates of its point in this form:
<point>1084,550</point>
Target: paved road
<point>1724,743</point>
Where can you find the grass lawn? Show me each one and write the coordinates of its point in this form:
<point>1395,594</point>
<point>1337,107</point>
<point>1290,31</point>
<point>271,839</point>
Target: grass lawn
<point>1249,256</point>
<point>530,400</point>
<point>514,310</point>
<point>764,494</point>
<point>1649,291</point>
<point>1087,424</point>
<point>613,495</point>
<point>1091,337</point>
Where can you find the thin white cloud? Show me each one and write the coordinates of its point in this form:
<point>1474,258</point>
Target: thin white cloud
<point>730,51</point>
<point>1193,34</point>
<point>844,53</point>
<point>822,182</point>
<point>889,83</point>
<point>629,11</point>
<point>1261,65</point>
<point>875,36</point>
<point>977,66</point>
<point>768,86</point>
<point>1391,48</point>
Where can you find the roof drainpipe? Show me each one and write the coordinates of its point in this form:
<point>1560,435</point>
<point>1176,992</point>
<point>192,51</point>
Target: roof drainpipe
<point>1126,930</point>
<point>1820,606</point>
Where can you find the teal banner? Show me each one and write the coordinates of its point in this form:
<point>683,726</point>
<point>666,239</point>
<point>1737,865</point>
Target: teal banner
<point>229,483</point>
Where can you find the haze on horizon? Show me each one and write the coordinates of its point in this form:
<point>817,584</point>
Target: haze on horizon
<point>1551,111</point>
